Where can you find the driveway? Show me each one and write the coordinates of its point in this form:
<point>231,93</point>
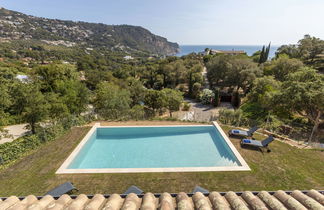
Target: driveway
<point>15,131</point>
<point>201,113</point>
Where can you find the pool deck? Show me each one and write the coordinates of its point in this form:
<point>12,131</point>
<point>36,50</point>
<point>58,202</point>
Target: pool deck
<point>64,167</point>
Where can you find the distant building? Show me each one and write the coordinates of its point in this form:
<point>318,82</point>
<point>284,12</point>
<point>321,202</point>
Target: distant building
<point>22,78</point>
<point>222,52</point>
<point>27,59</point>
<point>227,52</point>
<point>128,57</point>
<point>82,76</point>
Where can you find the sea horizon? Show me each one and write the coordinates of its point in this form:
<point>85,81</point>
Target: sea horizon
<point>249,49</point>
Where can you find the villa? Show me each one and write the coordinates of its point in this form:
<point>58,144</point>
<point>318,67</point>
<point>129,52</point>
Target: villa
<point>227,52</point>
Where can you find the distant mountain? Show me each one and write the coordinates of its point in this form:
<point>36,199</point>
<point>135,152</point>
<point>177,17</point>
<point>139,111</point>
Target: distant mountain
<point>18,26</point>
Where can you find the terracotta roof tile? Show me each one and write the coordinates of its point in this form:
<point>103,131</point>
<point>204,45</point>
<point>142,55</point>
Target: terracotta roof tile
<point>316,196</point>
<point>271,201</point>
<point>263,200</point>
<point>166,202</point>
<point>289,201</point>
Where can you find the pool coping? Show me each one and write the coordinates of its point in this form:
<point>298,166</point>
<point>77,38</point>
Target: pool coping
<point>63,169</point>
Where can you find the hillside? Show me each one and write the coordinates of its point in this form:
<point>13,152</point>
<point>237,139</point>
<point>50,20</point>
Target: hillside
<point>18,26</point>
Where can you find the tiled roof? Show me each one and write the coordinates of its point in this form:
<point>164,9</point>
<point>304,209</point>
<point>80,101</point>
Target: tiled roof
<point>230,200</point>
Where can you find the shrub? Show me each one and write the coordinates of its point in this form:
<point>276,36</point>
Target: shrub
<point>206,96</point>
<point>232,117</point>
<point>196,90</point>
<point>13,150</point>
<point>186,106</point>
<point>137,112</point>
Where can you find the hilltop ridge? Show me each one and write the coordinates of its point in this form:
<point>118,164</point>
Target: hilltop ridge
<point>18,26</point>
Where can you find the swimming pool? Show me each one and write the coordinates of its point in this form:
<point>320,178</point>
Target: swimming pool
<point>154,149</point>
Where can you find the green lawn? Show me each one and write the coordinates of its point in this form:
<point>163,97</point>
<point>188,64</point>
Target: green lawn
<point>284,168</point>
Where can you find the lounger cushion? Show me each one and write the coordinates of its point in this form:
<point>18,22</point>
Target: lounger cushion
<point>252,142</point>
<point>246,141</point>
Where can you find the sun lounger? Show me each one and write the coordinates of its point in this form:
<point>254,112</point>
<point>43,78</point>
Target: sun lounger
<point>258,144</point>
<point>236,132</point>
<point>61,190</point>
<point>133,189</point>
<point>199,189</point>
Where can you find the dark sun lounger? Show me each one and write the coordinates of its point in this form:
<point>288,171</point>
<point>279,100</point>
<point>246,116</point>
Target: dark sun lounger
<point>61,190</point>
<point>133,189</point>
<point>199,189</point>
<point>236,132</point>
<point>258,144</point>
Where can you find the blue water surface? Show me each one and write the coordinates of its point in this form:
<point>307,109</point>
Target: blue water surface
<point>155,147</point>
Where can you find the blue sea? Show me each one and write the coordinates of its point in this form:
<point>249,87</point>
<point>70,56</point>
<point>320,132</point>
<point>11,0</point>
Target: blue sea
<point>249,49</point>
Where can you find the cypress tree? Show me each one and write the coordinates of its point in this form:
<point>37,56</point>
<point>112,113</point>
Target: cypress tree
<point>267,52</point>
<point>262,54</point>
<point>216,98</point>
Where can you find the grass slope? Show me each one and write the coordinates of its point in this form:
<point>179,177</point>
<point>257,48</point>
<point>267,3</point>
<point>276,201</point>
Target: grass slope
<point>284,168</point>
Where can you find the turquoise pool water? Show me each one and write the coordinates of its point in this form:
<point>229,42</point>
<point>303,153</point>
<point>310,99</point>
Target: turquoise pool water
<point>154,147</point>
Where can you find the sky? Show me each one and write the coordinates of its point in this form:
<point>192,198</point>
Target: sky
<point>194,22</point>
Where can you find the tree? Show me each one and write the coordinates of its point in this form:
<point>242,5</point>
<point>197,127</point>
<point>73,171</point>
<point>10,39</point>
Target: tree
<point>3,121</point>
<point>5,97</point>
<point>262,98</point>
<point>112,102</point>
<point>194,75</point>
<point>35,108</point>
<point>217,69</point>
<point>174,98</point>
<point>57,108</point>
<point>291,50</point>
<point>283,66</point>
<point>49,75</point>
<point>74,94</point>
<point>241,73</point>
<point>229,71</point>
<point>63,80</point>
<point>303,92</point>
<point>136,90</point>
<point>307,49</point>
<point>154,99</point>
<point>310,47</point>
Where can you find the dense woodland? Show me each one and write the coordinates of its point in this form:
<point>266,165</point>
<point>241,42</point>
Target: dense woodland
<point>66,86</point>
